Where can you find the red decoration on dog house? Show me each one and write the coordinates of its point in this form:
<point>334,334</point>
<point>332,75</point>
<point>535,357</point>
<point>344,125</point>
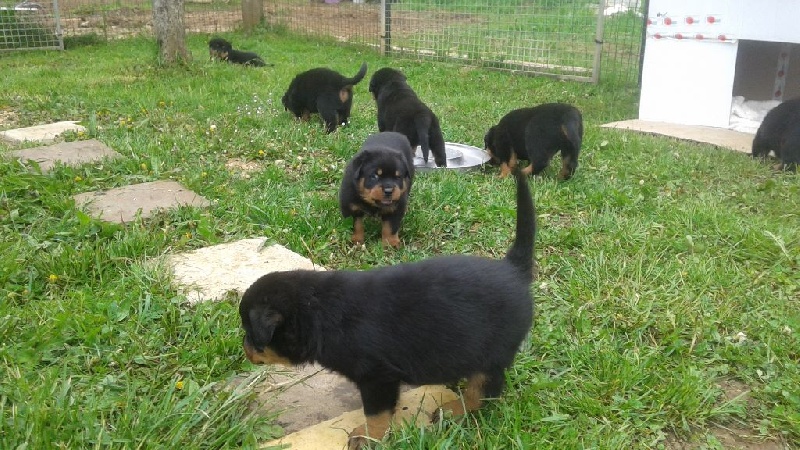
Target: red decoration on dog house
<point>691,20</point>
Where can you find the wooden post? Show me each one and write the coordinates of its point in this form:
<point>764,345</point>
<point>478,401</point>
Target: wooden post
<point>252,13</point>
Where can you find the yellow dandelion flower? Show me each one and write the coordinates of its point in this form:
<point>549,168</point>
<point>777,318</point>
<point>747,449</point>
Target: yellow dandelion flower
<point>52,278</point>
<point>261,152</point>
<point>179,385</point>
<point>78,179</point>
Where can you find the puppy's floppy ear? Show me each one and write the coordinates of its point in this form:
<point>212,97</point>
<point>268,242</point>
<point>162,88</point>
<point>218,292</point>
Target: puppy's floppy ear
<point>263,323</point>
<point>358,166</point>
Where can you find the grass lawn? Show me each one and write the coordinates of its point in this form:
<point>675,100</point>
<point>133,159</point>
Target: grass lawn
<point>667,291</point>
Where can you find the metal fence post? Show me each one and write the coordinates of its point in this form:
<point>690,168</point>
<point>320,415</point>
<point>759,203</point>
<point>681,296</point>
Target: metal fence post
<point>645,14</point>
<point>598,42</point>
<point>386,26</point>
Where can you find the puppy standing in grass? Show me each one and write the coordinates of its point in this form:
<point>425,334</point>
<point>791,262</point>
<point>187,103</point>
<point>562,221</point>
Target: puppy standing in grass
<point>780,132</point>
<point>434,321</point>
<point>324,91</point>
<point>223,50</point>
<point>399,109</point>
<point>537,134</point>
<point>377,181</point>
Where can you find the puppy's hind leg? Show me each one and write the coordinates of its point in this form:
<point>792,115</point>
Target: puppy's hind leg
<point>379,399</point>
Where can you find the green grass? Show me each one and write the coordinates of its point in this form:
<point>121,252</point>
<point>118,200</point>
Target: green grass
<point>666,268</point>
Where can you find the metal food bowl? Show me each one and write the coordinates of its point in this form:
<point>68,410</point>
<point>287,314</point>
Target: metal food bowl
<point>459,157</point>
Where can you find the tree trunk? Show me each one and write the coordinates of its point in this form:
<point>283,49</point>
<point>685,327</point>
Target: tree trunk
<point>170,31</point>
<point>252,13</point>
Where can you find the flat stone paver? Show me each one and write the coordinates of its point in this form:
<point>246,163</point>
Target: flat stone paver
<point>68,153</point>
<point>210,273</point>
<point>415,406</point>
<point>122,204</point>
<point>307,395</point>
<point>40,133</point>
<point>734,140</point>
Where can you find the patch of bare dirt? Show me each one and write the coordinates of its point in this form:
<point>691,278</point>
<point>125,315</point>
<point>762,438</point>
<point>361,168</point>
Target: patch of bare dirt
<point>730,436</point>
<point>242,167</point>
<point>8,118</point>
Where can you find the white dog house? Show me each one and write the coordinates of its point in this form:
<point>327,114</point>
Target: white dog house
<point>703,55</point>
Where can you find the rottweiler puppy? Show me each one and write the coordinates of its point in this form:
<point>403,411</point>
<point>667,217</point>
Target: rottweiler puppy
<point>536,135</point>
<point>377,181</point>
<point>780,133</point>
<point>223,50</point>
<point>324,91</point>
<point>434,321</point>
<point>399,109</point>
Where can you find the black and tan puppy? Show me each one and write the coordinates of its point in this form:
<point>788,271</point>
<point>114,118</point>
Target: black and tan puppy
<point>324,91</point>
<point>536,135</point>
<point>434,321</point>
<point>780,133</point>
<point>223,50</point>
<point>399,109</point>
<point>377,181</point>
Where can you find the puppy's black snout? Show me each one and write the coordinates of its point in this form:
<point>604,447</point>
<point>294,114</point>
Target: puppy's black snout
<point>388,190</point>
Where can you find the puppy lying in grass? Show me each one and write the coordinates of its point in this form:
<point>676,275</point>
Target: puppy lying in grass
<point>399,109</point>
<point>223,50</point>
<point>434,321</point>
<point>324,91</point>
<point>780,133</point>
<point>537,134</point>
<point>377,181</point>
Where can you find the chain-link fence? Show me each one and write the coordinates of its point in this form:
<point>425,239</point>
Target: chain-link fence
<point>29,25</point>
<point>566,38</point>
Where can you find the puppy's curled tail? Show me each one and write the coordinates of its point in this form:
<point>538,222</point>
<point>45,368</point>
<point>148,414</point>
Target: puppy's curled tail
<point>358,77</point>
<point>521,252</point>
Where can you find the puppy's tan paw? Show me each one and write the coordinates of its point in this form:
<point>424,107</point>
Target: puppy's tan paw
<point>360,439</point>
<point>357,443</point>
<point>391,241</point>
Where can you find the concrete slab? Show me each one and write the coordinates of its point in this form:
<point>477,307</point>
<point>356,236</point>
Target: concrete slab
<point>69,153</point>
<point>415,406</point>
<point>734,140</point>
<point>307,395</point>
<point>210,273</point>
<point>40,133</point>
<point>123,204</point>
